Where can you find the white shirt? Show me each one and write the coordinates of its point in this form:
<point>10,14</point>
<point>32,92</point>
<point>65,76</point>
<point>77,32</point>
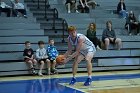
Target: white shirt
<point>4,5</point>
<point>121,6</point>
<point>87,44</point>
<point>18,6</point>
<point>41,53</point>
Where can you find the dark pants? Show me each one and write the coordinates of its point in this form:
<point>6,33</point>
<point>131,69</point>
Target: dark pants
<point>83,10</point>
<point>6,10</point>
<point>22,11</point>
<point>95,41</point>
<point>134,26</point>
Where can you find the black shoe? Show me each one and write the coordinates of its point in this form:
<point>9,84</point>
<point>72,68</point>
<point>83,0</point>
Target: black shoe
<point>33,72</point>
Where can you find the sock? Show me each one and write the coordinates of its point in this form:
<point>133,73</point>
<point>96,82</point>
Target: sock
<point>74,77</point>
<point>89,76</point>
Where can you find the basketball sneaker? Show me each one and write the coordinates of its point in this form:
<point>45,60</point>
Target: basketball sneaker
<point>73,81</point>
<point>88,82</point>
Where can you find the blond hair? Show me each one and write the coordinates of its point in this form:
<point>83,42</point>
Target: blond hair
<point>71,28</point>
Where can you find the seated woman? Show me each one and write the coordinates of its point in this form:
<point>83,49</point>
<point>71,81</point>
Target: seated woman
<point>71,5</point>
<point>121,9</point>
<point>109,36</point>
<point>132,23</point>
<point>83,6</point>
<point>91,34</point>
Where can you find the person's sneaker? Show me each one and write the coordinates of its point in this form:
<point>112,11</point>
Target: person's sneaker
<point>77,11</point>
<point>73,81</point>
<point>88,82</point>
<point>33,72</point>
<point>25,16</point>
<point>130,34</point>
<point>69,11</point>
<point>40,74</point>
<point>98,48</point>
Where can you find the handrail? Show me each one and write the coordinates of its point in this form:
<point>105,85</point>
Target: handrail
<point>55,15</point>
<point>65,28</point>
<point>38,5</point>
<point>45,9</point>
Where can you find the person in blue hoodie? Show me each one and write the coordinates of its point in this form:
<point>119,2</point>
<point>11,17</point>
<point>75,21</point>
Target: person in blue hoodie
<point>52,54</point>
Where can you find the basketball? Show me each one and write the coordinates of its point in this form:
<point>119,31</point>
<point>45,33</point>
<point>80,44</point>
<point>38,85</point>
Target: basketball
<point>60,59</point>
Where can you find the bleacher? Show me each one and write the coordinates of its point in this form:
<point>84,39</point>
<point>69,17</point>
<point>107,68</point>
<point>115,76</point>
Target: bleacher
<point>15,31</point>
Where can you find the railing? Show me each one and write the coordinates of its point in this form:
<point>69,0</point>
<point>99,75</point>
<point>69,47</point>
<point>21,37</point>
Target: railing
<point>38,6</point>
<point>65,27</point>
<point>55,15</point>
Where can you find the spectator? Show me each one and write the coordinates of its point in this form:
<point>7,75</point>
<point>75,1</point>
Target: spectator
<point>91,34</point>
<point>109,36</point>
<point>42,57</point>
<point>121,9</point>
<point>29,57</point>
<point>19,8</point>
<point>92,3</point>
<point>71,5</point>
<point>132,23</point>
<point>5,8</point>
<point>52,54</point>
<point>83,6</point>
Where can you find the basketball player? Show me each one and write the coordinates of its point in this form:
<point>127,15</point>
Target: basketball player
<point>84,49</point>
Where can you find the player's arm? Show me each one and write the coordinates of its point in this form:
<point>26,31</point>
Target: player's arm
<point>77,52</point>
<point>69,51</point>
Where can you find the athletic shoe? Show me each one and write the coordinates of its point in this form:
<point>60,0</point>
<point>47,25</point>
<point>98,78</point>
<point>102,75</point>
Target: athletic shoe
<point>33,72</point>
<point>25,16</point>
<point>40,74</point>
<point>73,81</point>
<point>88,82</point>
<point>69,11</point>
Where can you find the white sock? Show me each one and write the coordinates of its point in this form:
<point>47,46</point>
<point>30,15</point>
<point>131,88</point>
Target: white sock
<point>89,76</point>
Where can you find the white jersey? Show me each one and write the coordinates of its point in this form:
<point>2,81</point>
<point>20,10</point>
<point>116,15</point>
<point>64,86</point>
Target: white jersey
<point>87,45</point>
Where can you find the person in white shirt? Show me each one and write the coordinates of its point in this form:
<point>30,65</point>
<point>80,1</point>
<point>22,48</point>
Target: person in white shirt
<point>5,8</point>
<point>42,57</point>
<point>19,8</point>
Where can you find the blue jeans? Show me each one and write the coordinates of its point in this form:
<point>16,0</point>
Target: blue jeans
<point>123,14</point>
